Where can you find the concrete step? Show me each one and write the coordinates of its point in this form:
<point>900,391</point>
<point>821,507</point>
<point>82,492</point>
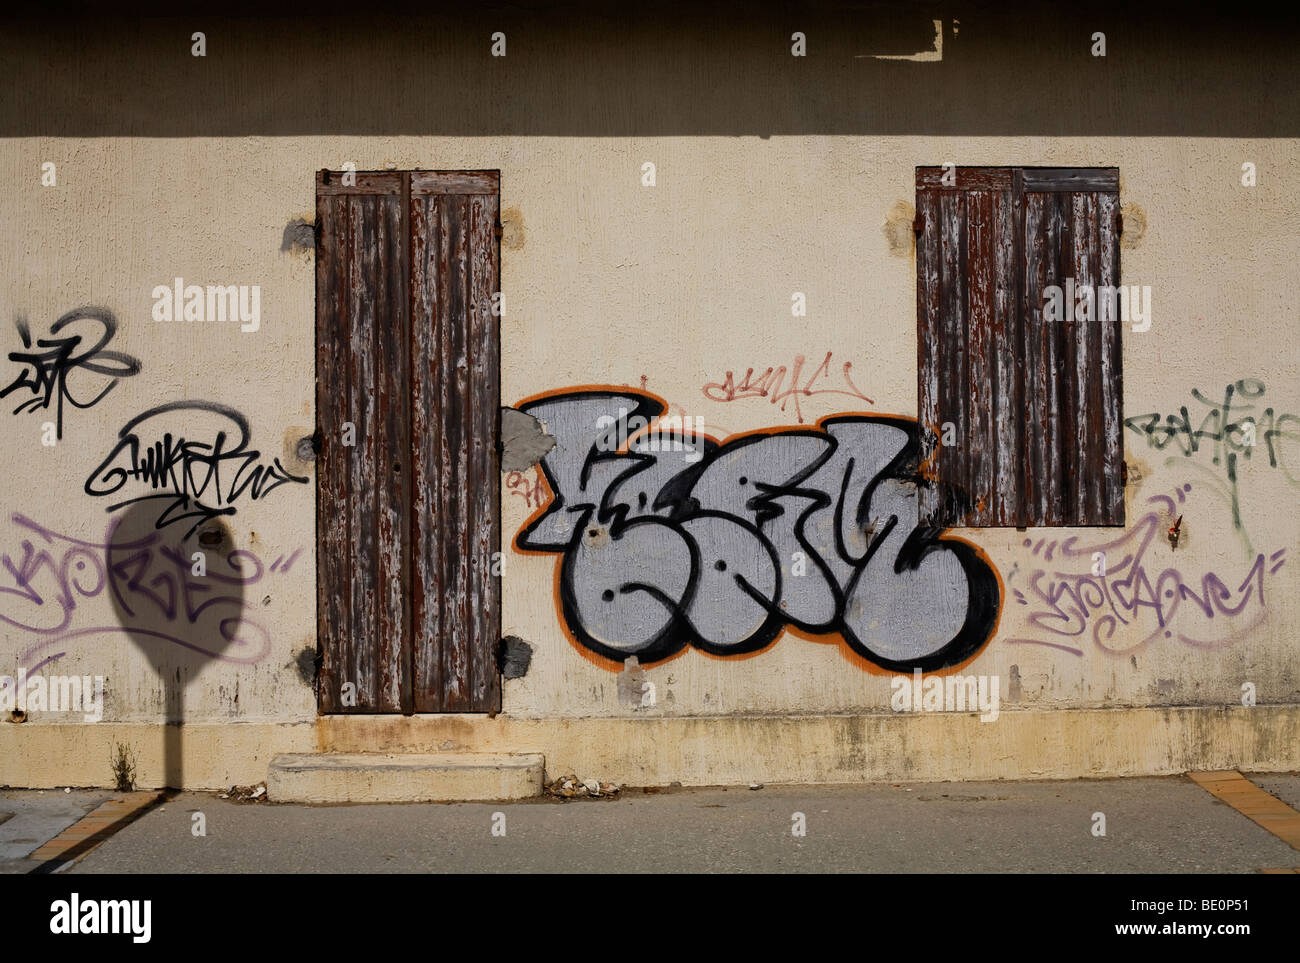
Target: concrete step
<point>331,777</point>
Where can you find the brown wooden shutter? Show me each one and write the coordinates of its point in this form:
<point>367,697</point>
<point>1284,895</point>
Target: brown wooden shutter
<point>455,405</point>
<point>1034,406</point>
<point>362,333</point>
<point>408,519</point>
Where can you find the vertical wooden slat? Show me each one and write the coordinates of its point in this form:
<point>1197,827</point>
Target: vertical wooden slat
<point>1049,466</point>
<point>928,302</point>
<point>331,523</point>
<point>366,643</point>
<point>1008,422</point>
<point>1110,367</point>
<point>386,565</point>
<point>483,393</point>
<point>1072,255</point>
<point>454,282</point>
<point>953,401</point>
<point>1037,276</point>
<point>981,297</point>
<point>1073,382</point>
<point>1082,437</point>
<point>347,455</point>
<point>402,364</point>
<point>426,433</point>
<point>1093,444</point>
<point>1054,334</point>
<point>1020,342</point>
<point>392,455</point>
<point>448,441</point>
<point>345,463</point>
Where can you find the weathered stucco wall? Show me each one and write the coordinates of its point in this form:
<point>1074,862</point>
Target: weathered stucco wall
<point>668,289</point>
<point>676,289</point>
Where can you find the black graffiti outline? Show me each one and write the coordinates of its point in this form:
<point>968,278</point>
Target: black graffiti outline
<point>983,587</point>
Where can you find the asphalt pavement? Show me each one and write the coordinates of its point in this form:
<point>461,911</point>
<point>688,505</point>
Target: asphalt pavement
<point>1155,825</point>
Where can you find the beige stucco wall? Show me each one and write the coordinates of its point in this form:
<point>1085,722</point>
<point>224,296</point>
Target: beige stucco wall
<point>670,288</point>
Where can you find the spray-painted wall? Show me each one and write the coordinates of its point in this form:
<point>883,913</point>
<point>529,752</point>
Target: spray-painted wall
<point>673,292</point>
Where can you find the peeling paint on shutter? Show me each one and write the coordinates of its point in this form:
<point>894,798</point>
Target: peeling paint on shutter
<point>455,411</point>
<point>1033,407</point>
<point>407,520</point>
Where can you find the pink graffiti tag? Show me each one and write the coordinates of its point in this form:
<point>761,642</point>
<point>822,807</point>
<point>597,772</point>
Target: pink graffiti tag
<point>769,385</point>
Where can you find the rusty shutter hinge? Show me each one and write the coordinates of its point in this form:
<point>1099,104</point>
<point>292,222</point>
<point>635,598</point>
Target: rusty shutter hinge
<point>918,224</point>
<point>1119,223</point>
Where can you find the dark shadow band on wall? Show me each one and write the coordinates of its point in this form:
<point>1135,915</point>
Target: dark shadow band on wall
<point>155,582</point>
<point>597,70</point>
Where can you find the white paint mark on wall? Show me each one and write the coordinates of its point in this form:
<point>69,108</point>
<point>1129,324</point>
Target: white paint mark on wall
<point>933,54</point>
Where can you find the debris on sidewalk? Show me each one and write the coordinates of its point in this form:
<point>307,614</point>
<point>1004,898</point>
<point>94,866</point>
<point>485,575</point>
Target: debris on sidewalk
<point>571,787</point>
<point>245,794</point>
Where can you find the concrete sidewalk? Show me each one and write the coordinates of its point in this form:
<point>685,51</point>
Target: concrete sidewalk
<point>31,817</point>
<point>1161,825</point>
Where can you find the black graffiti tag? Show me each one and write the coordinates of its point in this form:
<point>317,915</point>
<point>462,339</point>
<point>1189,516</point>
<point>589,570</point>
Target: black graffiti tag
<point>196,480</point>
<point>58,358</point>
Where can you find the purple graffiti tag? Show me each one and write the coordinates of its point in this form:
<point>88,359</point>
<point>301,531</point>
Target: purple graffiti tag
<point>1093,591</point>
<point>152,585</point>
